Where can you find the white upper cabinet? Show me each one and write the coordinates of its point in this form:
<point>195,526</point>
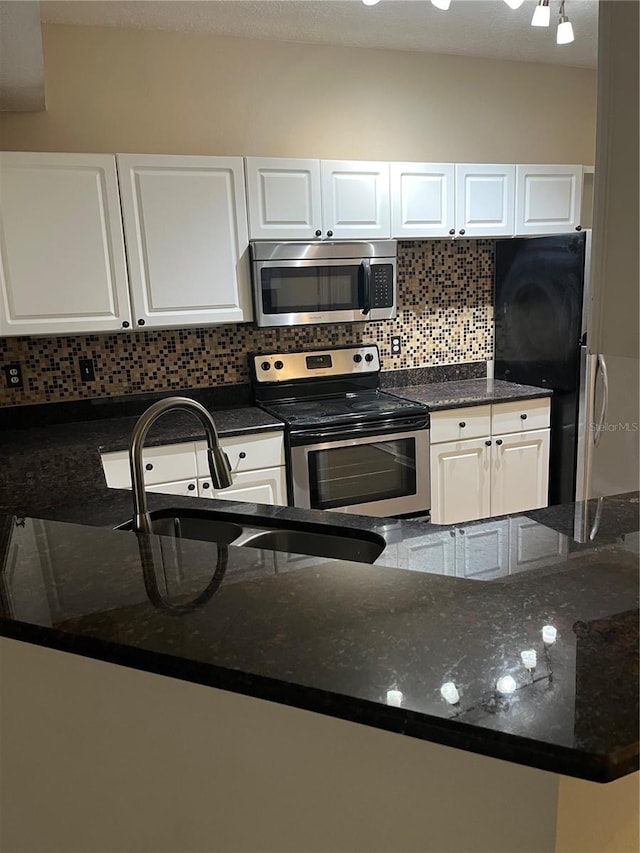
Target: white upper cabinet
<point>355,199</point>
<point>485,200</point>
<point>422,200</point>
<point>185,225</point>
<point>548,199</point>
<point>62,261</point>
<point>283,197</point>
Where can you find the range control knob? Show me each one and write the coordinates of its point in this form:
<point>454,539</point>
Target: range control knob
<point>368,357</point>
<point>265,365</point>
<point>357,358</point>
<point>278,365</point>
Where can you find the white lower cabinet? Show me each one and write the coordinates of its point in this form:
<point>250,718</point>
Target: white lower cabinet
<point>257,469</point>
<point>533,545</point>
<point>434,553</point>
<point>482,550</point>
<point>506,470</point>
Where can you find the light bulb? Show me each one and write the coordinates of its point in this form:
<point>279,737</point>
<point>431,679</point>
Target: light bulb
<point>395,697</point>
<point>564,34</point>
<point>370,2</point>
<point>441,4</point>
<point>514,4</point>
<point>541,14</point>
<point>529,658</point>
<point>506,684</point>
<point>449,692</point>
<point>549,634</point>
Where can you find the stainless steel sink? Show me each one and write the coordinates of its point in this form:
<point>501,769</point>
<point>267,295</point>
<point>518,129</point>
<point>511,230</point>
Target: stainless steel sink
<point>360,546</point>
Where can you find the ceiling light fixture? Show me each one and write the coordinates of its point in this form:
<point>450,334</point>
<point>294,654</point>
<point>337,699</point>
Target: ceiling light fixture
<point>514,4</point>
<point>541,14</point>
<point>370,2</point>
<point>441,4</point>
<point>564,35</point>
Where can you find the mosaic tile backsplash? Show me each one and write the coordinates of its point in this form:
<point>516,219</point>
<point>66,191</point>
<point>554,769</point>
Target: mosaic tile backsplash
<point>445,316</point>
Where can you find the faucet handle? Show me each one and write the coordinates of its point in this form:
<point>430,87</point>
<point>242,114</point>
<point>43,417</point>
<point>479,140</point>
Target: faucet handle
<point>219,468</point>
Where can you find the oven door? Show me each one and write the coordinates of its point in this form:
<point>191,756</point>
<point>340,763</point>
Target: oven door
<point>383,472</point>
<point>297,292</point>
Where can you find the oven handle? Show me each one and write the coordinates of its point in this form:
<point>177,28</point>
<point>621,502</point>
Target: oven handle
<point>340,431</point>
<point>365,269</point>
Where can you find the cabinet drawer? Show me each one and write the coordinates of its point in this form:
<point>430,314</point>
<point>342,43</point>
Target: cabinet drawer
<point>246,452</point>
<point>187,488</point>
<point>520,416</point>
<point>458,424</point>
<point>267,486</point>
<point>161,465</point>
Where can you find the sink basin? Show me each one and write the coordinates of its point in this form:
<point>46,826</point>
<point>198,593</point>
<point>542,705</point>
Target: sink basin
<point>315,540</point>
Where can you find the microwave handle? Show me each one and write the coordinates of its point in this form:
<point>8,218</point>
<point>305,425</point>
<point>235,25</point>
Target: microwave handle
<point>365,269</point>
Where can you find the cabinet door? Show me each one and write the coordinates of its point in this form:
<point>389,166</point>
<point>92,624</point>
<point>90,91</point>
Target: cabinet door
<point>485,200</point>
<point>62,262</point>
<point>434,553</point>
<point>548,199</point>
<point>520,472</point>
<point>355,199</point>
<point>422,199</point>
<point>267,486</point>
<point>482,550</point>
<point>185,225</point>
<point>532,545</point>
<point>460,481</point>
<point>283,198</point>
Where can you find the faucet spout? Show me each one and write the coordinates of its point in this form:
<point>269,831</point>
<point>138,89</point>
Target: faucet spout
<point>219,467</point>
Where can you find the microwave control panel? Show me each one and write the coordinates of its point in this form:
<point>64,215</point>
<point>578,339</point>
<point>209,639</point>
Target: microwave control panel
<point>381,286</point>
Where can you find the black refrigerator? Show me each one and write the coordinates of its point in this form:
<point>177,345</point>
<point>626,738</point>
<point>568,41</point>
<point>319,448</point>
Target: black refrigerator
<point>540,335</point>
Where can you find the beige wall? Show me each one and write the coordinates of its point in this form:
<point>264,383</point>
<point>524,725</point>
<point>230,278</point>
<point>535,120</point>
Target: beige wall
<point>150,91</point>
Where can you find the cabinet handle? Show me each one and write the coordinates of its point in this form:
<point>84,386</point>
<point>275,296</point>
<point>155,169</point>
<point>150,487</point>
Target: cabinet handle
<point>462,231</point>
<point>462,424</point>
<point>524,417</point>
<point>452,231</point>
<point>329,233</point>
<point>242,455</point>
<point>191,487</point>
<point>461,532</point>
<point>488,443</point>
<point>578,227</point>
<point>205,485</point>
<point>318,233</point>
<point>125,324</point>
<point>149,466</point>
<point>498,441</point>
<point>141,322</point>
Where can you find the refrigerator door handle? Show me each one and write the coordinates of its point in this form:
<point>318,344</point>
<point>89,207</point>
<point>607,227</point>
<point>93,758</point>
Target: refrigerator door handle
<point>601,370</point>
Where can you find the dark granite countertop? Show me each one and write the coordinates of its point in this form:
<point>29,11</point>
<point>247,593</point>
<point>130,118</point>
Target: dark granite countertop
<point>335,637</point>
<point>468,392</point>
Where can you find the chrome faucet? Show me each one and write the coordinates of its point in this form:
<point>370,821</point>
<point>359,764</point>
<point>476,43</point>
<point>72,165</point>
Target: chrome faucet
<point>218,462</point>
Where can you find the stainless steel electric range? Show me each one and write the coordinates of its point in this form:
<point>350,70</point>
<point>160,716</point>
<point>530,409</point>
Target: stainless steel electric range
<point>350,446</point>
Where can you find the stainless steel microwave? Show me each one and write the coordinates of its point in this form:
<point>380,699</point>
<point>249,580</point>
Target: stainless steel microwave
<point>296,283</point>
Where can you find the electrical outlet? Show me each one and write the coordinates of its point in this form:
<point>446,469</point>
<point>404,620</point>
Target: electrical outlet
<point>87,370</point>
<point>13,375</point>
<point>396,344</point>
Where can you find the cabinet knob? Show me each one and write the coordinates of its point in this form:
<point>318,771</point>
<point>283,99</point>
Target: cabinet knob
<point>242,455</point>
<point>488,443</point>
<point>452,231</point>
<point>205,485</point>
<point>141,322</point>
<point>125,324</point>
<point>318,233</point>
<point>578,227</point>
<point>498,441</point>
<point>149,466</point>
<point>461,532</point>
<point>191,487</point>
<point>462,231</point>
<point>462,424</point>
<point>329,233</point>
<point>524,417</point>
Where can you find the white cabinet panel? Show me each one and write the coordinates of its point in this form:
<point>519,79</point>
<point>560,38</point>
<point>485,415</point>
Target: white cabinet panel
<point>187,242</point>
<point>485,200</point>
<point>533,545</point>
<point>188,488</point>
<point>460,424</point>
<point>520,416</point>
<point>422,199</point>
<point>460,481</point>
<point>434,553</point>
<point>520,472</point>
<point>267,486</point>
<point>355,199</point>
<point>283,198</point>
<point>548,199</point>
<point>482,550</point>
<point>62,261</point>
<point>246,452</point>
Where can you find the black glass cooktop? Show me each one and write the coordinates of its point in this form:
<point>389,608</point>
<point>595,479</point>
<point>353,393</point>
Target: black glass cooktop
<point>359,407</point>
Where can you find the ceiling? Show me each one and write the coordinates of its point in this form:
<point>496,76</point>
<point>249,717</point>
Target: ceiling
<point>483,28</point>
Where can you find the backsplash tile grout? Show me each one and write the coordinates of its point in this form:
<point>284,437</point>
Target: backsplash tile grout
<point>445,316</point>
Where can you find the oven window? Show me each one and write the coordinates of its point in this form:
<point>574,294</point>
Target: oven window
<point>362,473</point>
<point>291,290</point>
